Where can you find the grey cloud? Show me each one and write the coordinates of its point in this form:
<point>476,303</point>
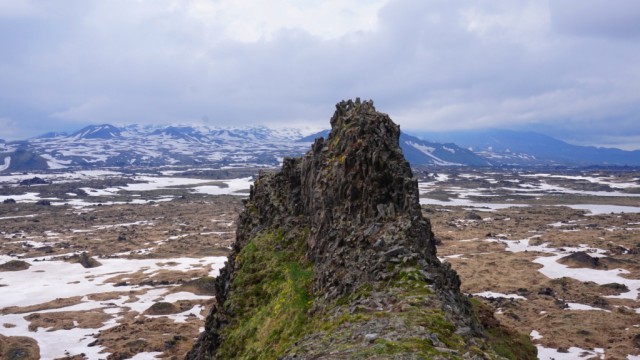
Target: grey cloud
<point>430,64</point>
<point>616,19</point>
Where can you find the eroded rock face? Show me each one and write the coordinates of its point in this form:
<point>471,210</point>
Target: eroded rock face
<point>362,202</point>
<point>348,214</point>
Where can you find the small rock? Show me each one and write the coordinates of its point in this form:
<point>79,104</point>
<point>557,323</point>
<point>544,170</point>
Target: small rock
<point>464,331</point>
<point>371,337</point>
<point>546,291</point>
<point>473,216</point>
<point>394,251</point>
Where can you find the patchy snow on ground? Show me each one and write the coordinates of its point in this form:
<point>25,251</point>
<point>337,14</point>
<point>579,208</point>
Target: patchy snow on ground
<point>46,281</point>
<point>491,294</point>
<point>149,183</point>
<point>554,270</point>
<point>60,177</point>
<point>535,335</point>
<point>572,353</point>
<point>605,209</point>
<point>234,187</point>
<point>101,192</point>
<point>29,197</point>
<point>471,205</point>
<point>540,187</point>
<point>139,223</point>
<point>146,356</point>
<point>576,306</point>
<point>55,344</point>
<point>18,217</point>
<point>593,209</point>
<point>238,186</point>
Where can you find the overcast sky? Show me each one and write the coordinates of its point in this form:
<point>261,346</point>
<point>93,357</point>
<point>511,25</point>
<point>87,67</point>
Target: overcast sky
<point>568,68</point>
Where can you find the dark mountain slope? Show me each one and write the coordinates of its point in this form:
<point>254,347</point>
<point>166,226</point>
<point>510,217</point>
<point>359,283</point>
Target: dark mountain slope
<point>181,132</point>
<point>22,160</point>
<point>421,152</point>
<point>105,131</point>
<point>531,148</point>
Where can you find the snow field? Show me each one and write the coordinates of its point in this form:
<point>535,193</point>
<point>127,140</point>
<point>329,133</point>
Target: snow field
<point>46,281</point>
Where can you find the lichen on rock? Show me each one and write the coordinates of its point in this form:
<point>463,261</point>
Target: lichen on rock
<point>333,259</point>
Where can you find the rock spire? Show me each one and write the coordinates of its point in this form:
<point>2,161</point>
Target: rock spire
<point>334,260</point>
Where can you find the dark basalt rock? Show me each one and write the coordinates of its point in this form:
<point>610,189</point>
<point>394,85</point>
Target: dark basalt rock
<point>581,258</point>
<point>355,203</point>
<point>14,265</point>
<point>33,181</point>
<point>162,308</point>
<point>357,189</point>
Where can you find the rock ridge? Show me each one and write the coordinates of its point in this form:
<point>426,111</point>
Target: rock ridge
<point>339,233</point>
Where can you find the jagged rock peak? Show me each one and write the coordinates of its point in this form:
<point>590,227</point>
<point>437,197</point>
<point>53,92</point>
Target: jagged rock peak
<point>362,201</point>
<point>361,165</point>
<point>334,260</point>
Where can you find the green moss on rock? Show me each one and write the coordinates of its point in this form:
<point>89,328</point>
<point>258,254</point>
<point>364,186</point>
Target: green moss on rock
<point>505,342</point>
<point>273,282</point>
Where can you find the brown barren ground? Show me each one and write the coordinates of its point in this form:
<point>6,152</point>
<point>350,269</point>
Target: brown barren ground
<point>487,266</point>
<point>197,226</point>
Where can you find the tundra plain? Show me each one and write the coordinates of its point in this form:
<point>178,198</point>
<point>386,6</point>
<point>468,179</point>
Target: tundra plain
<point>116,265</point>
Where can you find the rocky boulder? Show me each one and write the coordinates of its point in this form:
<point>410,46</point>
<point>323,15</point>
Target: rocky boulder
<point>14,265</point>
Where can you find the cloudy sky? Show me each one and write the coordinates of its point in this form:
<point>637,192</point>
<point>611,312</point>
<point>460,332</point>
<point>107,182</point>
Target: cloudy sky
<point>568,68</point>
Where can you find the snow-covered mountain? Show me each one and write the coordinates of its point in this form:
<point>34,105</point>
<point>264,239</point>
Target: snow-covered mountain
<point>98,146</point>
<point>422,152</point>
<point>105,131</point>
<point>137,146</point>
<point>508,147</point>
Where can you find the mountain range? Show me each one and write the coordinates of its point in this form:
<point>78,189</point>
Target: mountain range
<point>531,148</point>
<point>137,146</point>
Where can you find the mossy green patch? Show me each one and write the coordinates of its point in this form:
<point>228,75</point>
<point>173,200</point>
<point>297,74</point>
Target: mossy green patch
<point>270,298</point>
<point>435,322</point>
<point>418,348</point>
<point>362,291</point>
<point>413,282</point>
<point>505,342</point>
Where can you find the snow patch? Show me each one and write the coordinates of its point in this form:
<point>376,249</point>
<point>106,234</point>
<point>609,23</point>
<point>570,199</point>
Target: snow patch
<point>535,335</point>
<point>491,294</point>
<point>5,165</point>
<point>576,306</point>
<point>572,353</point>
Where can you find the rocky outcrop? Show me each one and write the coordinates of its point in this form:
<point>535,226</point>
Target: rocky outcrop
<point>333,259</point>
<point>33,181</point>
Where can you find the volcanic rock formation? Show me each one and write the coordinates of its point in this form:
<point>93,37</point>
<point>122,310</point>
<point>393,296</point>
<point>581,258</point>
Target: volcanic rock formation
<point>334,260</point>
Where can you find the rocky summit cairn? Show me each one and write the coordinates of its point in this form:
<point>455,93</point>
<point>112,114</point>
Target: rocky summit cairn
<point>334,260</point>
